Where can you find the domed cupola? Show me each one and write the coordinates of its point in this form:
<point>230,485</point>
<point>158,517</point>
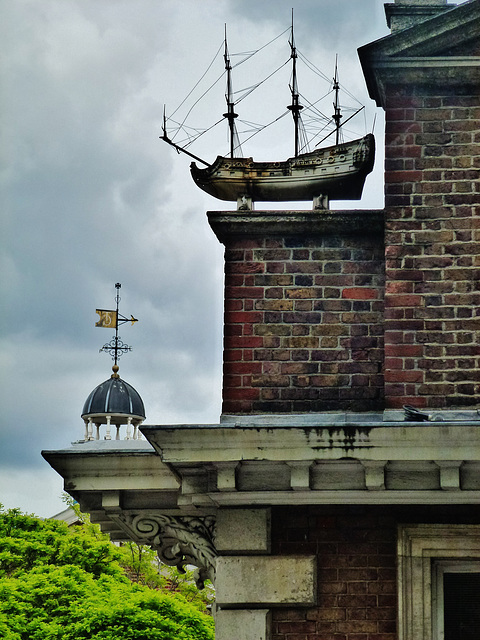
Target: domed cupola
<point>114,402</point>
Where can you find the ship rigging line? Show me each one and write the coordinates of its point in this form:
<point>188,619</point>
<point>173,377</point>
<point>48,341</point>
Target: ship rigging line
<point>343,124</point>
<point>250,54</point>
<point>191,139</point>
<point>311,107</point>
<point>247,55</point>
<point>320,73</point>
<point>252,88</point>
<point>196,85</point>
<point>312,67</point>
<point>196,102</point>
<point>262,127</point>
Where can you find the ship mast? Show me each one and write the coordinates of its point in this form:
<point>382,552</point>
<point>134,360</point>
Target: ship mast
<point>337,116</point>
<point>230,115</point>
<point>295,107</point>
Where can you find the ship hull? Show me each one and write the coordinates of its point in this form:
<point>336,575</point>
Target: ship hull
<point>337,172</point>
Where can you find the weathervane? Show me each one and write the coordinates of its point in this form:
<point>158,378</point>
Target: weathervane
<point>112,319</point>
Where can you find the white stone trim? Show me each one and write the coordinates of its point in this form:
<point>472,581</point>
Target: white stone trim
<point>242,624</point>
<point>243,531</point>
<point>260,498</point>
<point>265,581</point>
<point>418,547</point>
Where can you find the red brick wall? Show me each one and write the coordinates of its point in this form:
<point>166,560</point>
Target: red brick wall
<point>305,316</point>
<point>356,550</point>
<point>357,577</point>
<point>303,324</point>
<point>432,300</point>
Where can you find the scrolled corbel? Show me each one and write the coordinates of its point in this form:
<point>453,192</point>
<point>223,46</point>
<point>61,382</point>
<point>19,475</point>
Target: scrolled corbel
<point>178,541</point>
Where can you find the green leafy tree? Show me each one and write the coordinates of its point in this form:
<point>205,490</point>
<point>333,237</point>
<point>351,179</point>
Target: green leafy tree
<point>67,583</point>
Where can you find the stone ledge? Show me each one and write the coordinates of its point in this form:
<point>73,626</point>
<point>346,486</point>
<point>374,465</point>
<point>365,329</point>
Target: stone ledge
<point>231,225</point>
<point>297,498</point>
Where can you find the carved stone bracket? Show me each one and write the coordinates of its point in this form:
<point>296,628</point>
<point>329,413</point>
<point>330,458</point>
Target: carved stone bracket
<point>178,540</point>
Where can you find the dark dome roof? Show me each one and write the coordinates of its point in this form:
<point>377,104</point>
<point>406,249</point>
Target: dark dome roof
<point>114,396</point>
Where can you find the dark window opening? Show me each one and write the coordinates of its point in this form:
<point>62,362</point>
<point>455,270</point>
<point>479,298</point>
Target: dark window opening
<point>461,599</point>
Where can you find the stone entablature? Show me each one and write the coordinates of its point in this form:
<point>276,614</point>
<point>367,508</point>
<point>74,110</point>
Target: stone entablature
<point>254,499</point>
<point>313,459</point>
<point>192,470</point>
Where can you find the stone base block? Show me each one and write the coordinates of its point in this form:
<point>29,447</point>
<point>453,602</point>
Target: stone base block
<point>245,624</point>
<point>243,530</point>
<point>244,581</point>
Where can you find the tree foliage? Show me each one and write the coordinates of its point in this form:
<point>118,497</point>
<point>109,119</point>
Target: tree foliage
<point>67,583</point>
<point>143,565</point>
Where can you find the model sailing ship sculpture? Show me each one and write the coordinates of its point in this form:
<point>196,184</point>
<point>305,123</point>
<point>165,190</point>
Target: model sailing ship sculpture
<point>336,172</point>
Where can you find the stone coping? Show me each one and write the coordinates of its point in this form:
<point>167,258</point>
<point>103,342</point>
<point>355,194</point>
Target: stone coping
<point>230,225</point>
<point>389,418</point>
<point>127,447</point>
<point>409,15</point>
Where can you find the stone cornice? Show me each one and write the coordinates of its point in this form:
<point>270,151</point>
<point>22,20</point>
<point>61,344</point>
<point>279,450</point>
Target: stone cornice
<point>168,496</point>
<point>422,54</point>
<point>454,71</point>
<point>230,225</point>
<point>404,16</point>
<point>109,468</point>
<point>436,36</point>
<point>187,444</point>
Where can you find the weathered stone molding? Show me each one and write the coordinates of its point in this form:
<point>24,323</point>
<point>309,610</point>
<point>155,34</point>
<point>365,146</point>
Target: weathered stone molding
<point>230,225</point>
<point>178,540</point>
<point>420,546</point>
<point>438,50</point>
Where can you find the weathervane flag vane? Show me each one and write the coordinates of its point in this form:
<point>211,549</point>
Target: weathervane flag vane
<point>112,319</point>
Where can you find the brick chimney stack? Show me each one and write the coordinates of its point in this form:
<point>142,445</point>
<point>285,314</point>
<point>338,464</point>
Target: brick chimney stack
<point>303,310</point>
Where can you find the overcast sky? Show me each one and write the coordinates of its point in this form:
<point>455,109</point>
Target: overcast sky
<point>91,197</point>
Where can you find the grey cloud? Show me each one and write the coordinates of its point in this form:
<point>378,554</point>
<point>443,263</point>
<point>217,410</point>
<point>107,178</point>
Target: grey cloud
<point>91,196</point>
